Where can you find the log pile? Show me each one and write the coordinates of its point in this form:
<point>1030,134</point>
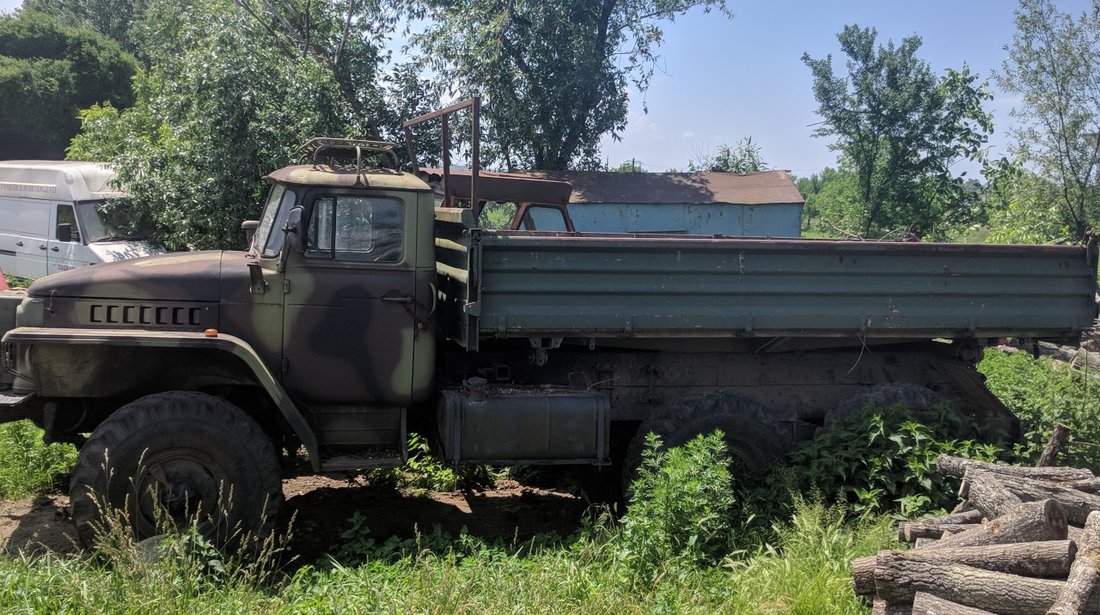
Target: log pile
<point>1022,541</point>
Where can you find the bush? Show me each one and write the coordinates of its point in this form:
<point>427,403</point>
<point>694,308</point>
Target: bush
<point>883,459</point>
<point>681,506</point>
<point>1042,393</point>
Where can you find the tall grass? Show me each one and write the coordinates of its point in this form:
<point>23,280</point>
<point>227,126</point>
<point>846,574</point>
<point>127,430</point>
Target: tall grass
<point>27,465</point>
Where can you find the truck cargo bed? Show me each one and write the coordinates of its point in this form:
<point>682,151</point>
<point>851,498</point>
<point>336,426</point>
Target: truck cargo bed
<point>514,284</point>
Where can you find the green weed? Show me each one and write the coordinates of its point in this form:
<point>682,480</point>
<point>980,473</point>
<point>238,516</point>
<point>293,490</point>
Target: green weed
<point>29,466</point>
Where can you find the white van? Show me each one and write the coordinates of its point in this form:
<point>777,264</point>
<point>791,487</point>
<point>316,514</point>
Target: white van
<point>52,218</point>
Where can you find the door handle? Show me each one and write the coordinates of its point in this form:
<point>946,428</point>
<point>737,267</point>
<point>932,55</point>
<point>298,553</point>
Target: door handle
<point>42,247</point>
<point>19,243</point>
<point>403,299</point>
<point>56,249</point>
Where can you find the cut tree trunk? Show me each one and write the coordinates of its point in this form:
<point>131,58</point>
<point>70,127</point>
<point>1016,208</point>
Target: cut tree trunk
<point>1047,559</point>
<point>1030,522</point>
<point>988,493</point>
<point>1054,446</point>
<point>897,580</point>
<point>957,466</point>
<point>1077,504</point>
<point>966,517</point>
<point>924,542</point>
<point>910,531</point>
<point>880,607</point>
<point>1083,576</point>
<point>925,603</point>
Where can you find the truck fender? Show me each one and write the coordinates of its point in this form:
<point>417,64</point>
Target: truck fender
<point>231,344</point>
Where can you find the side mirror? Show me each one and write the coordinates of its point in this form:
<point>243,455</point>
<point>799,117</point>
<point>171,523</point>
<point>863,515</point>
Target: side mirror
<point>290,234</point>
<point>249,228</point>
<point>64,232</point>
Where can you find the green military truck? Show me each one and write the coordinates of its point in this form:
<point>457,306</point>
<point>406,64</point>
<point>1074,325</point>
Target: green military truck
<point>362,311</point>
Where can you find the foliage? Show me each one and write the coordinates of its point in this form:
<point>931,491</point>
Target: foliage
<point>223,103</point>
<point>425,472</point>
<point>48,72</point>
<point>681,506</point>
<point>15,282</point>
<point>1052,66</point>
<point>1021,206</point>
<point>745,157</point>
<point>556,72</point>
<point>628,166</point>
<point>899,128</point>
<point>111,18</point>
<point>1041,393</point>
<point>28,466</point>
<point>884,459</point>
<point>832,205</point>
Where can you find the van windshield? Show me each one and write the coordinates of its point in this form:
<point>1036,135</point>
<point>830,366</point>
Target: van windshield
<point>110,221</point>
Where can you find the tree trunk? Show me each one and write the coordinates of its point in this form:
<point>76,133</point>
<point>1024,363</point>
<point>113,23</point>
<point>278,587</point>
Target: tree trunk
<point>966,517</point>
<point>1030,522</point>
<point>988,493</point>
<point>1083,576</point>
<point>957,466</point>
<point>924,542</point>
<point>925,603</point>
<point>910,531</point>
<point>897,580</point>
<point>1047,559</point>
<point>1054,446</point>
<point>1077,504</point>
<point>880,607</point>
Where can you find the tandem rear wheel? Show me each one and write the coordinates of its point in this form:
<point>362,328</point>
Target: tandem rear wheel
<point>752,442</point>
<point>173,459</point>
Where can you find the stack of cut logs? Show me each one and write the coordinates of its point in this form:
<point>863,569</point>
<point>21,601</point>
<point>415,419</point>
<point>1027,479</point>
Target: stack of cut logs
<point>1022,541</point>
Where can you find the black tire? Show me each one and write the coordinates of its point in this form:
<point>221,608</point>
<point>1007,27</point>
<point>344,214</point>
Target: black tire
<point>912,396</point>
<point>177,455</point>
<point>752,438</point>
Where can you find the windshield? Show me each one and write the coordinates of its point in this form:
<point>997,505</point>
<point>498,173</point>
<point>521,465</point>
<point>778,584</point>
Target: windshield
<point>269,236</point>
<point>112,220</point>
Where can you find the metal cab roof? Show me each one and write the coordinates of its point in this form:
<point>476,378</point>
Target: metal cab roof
<point>324,175</point>
<point>57,180</point>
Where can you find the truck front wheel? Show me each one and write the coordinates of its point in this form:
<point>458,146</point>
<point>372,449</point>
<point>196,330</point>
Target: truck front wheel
<point>176,458</point>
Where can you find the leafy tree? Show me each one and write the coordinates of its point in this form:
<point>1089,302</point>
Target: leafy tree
<point>1052,66</point>
<point>745,157</point>
<point>1021,206</point>
<point>628,166</point>
<point>899,128</point>
<point>48,72</point>
<point>556,71</point>
<point>832,206</point>
<point>224,103</point>
<point>111,18</point>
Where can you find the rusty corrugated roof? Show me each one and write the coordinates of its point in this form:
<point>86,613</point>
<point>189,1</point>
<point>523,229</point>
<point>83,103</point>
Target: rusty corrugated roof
<point>763,188</point>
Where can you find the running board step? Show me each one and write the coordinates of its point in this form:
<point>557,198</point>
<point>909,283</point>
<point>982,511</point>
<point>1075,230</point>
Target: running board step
<point>363,460</point>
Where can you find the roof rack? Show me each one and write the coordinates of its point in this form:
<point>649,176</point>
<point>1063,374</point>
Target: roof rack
<point>318,147</point>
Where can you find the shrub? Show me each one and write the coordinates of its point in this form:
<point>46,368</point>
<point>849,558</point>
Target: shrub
<point>882,459</point>
<point>1041,392</point>
<point>681,506</point>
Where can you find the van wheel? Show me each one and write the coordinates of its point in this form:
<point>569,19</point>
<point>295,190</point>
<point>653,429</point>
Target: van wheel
<point>176,458</point>
<point>752,441</point>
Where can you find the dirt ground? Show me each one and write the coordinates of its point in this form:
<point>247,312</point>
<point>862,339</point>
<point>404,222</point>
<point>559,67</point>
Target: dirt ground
<point>320,507</point>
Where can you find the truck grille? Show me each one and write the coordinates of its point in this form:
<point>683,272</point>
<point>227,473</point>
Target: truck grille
<point>144,315</point>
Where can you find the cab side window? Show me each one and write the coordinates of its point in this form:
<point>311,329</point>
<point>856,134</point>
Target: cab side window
<point>355,228</point>
<point>66,216</point>
<point>544,219</point>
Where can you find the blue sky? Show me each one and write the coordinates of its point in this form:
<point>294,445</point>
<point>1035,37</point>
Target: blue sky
<point>720,80</point>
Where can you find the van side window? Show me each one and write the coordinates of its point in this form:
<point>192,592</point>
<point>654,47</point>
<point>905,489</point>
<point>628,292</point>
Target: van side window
<point>66,215</point>
<point>354,228</point>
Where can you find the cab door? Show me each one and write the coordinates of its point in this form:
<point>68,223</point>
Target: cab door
<point>64,248</point>
<point>24,224</point>
<point>350,300</point>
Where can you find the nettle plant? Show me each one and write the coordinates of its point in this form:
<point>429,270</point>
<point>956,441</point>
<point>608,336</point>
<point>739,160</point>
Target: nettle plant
<point>883,459</point>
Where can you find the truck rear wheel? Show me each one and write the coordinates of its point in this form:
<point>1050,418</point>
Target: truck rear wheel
<point>752,443</point>
<point>912,396</point>
<point>173,459</point>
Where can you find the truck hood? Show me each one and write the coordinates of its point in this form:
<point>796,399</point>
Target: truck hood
<point>183,276</point>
